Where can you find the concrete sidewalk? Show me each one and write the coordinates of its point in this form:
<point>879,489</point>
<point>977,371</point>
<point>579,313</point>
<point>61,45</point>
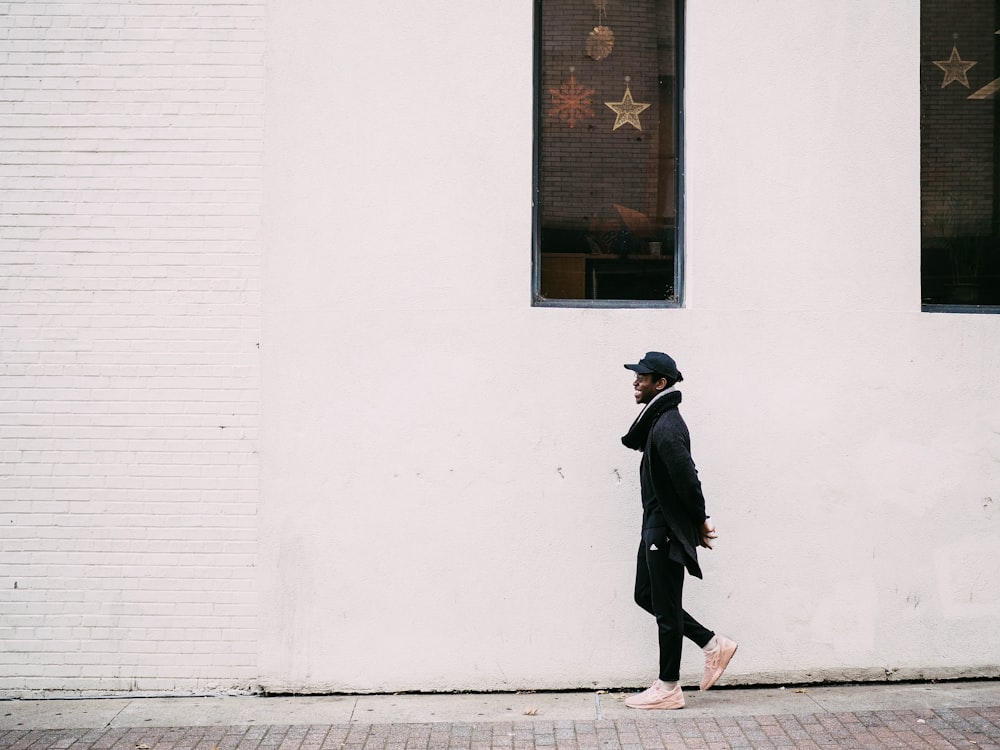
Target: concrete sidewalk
<point>953,714</point>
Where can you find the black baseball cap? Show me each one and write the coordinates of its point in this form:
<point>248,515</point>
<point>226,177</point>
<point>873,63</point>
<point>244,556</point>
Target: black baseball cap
<point>659,363</point>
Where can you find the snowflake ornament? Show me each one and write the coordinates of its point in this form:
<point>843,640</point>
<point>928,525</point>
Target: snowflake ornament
<point>571,101</point>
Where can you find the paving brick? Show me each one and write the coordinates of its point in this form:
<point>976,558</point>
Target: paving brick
<point>869,730</point>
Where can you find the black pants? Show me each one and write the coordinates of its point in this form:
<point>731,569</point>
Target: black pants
<point>659,584</point>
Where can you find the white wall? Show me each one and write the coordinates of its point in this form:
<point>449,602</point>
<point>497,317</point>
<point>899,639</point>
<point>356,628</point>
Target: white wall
<point>445,503</point>
<point>130,165</point>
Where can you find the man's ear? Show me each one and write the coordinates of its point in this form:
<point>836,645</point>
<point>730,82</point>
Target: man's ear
<point>661,384</point>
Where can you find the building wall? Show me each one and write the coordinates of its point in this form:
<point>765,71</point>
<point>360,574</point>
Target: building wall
<point>443,500</point>
<point>130,160</point>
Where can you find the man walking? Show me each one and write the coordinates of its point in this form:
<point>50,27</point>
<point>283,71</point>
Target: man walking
<point>674,525</point>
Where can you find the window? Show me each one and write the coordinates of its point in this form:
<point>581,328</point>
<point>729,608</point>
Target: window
<point>607,152</point>
<point>959,155</point>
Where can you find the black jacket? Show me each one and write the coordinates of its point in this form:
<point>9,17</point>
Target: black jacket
<point>671,491</point>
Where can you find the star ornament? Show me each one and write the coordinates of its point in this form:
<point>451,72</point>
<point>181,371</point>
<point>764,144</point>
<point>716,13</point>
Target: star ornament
<point>955,69</point>
<point>627,110</point>
<point>990,90</point>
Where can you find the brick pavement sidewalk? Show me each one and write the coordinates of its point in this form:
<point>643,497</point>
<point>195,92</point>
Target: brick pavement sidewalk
<point>977,728</point>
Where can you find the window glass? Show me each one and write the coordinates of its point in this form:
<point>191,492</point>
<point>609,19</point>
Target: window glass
<point>607,151</point>
<point>960,159</point>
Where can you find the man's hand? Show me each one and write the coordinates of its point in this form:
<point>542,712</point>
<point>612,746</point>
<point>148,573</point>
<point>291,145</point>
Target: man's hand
<point>708,533</point>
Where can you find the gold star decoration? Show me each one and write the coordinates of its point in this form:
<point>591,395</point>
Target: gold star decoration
<point>571,102</point>
<point>955,69</point>
<point>627,110</point>
<point>990,89</point>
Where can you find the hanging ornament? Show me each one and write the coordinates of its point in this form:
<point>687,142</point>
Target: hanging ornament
<point>990,90</point>
<point>571,101</point>
<point>601,40</point>
<point>627,110</point>
<point>955,69</point>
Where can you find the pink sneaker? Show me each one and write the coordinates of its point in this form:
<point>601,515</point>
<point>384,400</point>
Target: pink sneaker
<point>656,697</point>
<point>717,661</point>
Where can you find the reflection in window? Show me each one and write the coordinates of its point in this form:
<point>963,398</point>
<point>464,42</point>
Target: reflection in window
<point>960,159</point>
<point>606,210</point>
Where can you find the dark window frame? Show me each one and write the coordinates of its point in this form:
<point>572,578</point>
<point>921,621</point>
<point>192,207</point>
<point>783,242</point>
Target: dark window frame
<point>678,298</point>
<point>936,249</point>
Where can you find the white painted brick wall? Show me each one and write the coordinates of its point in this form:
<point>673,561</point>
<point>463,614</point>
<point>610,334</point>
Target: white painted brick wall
<point>130,189</point>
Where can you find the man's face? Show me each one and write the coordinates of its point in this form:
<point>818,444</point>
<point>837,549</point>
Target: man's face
<point>647,386</point>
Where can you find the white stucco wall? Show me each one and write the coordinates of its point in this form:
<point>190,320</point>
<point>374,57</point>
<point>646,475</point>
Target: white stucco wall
<point>445,503</point>
<point>415,481</point>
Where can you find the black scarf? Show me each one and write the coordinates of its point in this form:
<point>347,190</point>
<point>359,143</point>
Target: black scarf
<point>639,431</point>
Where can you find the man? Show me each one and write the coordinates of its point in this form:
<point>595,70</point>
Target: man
<point>674,525</point>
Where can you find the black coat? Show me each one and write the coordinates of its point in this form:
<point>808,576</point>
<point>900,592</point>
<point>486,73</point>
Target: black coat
<point>672,499</point>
